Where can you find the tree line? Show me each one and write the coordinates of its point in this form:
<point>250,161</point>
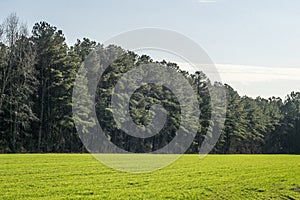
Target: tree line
<point>37,77</point>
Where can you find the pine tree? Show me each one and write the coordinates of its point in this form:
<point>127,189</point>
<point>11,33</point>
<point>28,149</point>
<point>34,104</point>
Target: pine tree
<point>53,96</point>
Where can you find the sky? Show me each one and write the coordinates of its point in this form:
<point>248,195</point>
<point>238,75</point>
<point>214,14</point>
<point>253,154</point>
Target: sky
<point>255,44</point>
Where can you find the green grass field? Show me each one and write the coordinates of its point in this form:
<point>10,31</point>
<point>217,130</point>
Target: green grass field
<point>80,176</point>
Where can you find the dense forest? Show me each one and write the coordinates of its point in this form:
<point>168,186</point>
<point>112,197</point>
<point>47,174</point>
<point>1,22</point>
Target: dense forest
<point>37,76</point>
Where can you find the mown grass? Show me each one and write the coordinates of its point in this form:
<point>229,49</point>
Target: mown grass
<point>80,176</point>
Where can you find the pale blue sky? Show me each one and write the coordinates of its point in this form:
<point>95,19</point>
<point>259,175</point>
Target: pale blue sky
<point>237,32</point>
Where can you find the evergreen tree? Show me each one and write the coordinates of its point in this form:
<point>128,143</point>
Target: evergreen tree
<point>56,72</point>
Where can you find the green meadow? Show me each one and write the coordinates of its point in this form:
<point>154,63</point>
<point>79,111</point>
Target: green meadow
<point>81,176</point>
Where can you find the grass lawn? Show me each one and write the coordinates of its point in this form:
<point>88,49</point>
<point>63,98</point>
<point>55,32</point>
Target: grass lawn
<point>80,176</point>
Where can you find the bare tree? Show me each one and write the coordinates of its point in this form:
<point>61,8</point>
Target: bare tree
<point>16,78</point>
<point>10,31</point>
